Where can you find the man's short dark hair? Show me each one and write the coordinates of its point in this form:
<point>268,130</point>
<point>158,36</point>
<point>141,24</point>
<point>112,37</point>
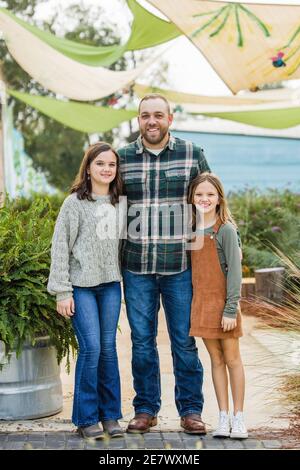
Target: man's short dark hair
<point>155,96</point>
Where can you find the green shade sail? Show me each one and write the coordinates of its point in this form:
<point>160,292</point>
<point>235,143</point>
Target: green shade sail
<point>147,31</point>
<point>60,74</point>
<point>79,116</point>
<point>90,118</point>
<point>277,118</point>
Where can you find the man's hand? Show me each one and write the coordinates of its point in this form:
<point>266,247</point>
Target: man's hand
<point>228,324</point>
<point>66,308</point>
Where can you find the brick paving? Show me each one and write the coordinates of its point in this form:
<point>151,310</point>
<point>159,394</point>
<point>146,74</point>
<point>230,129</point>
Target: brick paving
<point>153,440</point>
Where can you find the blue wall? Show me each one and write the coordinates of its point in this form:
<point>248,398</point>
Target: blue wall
<point>240,161</point>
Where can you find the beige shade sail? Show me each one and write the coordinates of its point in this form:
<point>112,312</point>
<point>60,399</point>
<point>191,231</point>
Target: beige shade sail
<point>247,97</point>
<point>141,37</point>
<point>271,109</point>
<point>247,44</point>
<point>88,118</point>
<point>59,73</point>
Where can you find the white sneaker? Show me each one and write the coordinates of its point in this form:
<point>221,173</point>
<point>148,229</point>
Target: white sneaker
<point>223,429</point>
<point>239,430</point>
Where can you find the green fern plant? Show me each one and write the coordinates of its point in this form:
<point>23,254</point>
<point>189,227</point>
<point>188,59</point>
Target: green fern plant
<point>26,309</point>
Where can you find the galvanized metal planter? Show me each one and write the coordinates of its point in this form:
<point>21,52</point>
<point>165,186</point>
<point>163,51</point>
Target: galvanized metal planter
<point>30,386</point>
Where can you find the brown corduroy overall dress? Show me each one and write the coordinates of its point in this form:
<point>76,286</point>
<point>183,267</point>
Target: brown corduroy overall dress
<point>209,292</point>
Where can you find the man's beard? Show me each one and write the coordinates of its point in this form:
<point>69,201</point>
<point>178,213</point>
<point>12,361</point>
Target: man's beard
<point>155,140</point>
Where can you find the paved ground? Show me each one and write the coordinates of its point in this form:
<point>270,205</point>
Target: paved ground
<point>153,440</point>
<point>267,358</point>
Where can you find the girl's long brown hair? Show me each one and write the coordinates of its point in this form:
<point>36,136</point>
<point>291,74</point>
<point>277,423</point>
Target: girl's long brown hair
<point>82,184</point>
<point>222,209</point>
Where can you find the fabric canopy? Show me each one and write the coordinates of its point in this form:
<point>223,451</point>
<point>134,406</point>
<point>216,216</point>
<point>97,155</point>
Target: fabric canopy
<point>59,73</point>
<point>275,117</point>
<point>142,37</point>
<point>79,116</point>
<point>247,44</point>
<point>90,119</point>
<point>178,97</point>
<point>148,30</point>
<point>273,109</point>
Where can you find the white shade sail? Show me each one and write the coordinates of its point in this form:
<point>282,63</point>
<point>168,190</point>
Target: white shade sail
<point>246,44</point>
<point>259,97</point>
<point>59,73</point>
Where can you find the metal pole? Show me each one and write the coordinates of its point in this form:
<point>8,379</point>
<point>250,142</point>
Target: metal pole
<point>2,169</point>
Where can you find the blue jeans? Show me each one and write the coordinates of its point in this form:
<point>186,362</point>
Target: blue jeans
<point>97,395</point>
<point>142,296</point>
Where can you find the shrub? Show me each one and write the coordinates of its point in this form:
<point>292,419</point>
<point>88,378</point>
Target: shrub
<point>266,220</point>
<point>286,317</point>
<point>26,308</point>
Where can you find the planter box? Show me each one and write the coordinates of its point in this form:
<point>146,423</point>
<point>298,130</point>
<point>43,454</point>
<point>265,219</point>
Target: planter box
<point>30,386</point>
<point>248,292</point>
<point>266,285</point>
<point>269,283</point>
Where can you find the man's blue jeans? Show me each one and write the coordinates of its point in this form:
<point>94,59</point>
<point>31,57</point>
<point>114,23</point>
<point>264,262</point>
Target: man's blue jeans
<point>142,296</point>
<point>97,395</point>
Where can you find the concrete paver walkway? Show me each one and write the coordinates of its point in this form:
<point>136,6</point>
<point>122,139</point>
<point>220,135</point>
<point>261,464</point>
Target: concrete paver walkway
<point>264,407</point>
<point>154,440</point>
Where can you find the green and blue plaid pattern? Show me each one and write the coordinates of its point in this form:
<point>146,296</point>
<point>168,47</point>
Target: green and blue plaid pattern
<point>156,189</point>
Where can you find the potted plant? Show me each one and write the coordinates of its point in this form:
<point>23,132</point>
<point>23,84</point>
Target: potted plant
<point>33,337</point>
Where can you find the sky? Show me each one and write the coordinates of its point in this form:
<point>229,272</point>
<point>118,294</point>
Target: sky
<point>188,69</point>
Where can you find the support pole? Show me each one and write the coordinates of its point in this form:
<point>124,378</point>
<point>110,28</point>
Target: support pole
<point>2,169</point>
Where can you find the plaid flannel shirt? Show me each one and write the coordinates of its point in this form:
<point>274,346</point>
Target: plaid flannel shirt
<point>153,184</point>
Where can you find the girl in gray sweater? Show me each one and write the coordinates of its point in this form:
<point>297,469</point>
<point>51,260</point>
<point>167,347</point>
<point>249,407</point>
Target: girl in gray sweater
<point>85,277</point>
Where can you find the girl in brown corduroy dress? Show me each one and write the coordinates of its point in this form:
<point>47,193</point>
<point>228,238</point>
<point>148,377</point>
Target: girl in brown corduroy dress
<point>215,314</point>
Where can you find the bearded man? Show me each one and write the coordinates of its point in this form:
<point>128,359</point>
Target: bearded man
<point>157,169</point>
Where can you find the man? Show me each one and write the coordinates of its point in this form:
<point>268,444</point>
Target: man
<point>157,169</point>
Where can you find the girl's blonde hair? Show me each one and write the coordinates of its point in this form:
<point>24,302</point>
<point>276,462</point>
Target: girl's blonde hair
<point>222,208</point>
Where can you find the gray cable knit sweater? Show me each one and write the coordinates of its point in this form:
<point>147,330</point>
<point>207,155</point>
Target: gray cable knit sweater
<point>85,244</point>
